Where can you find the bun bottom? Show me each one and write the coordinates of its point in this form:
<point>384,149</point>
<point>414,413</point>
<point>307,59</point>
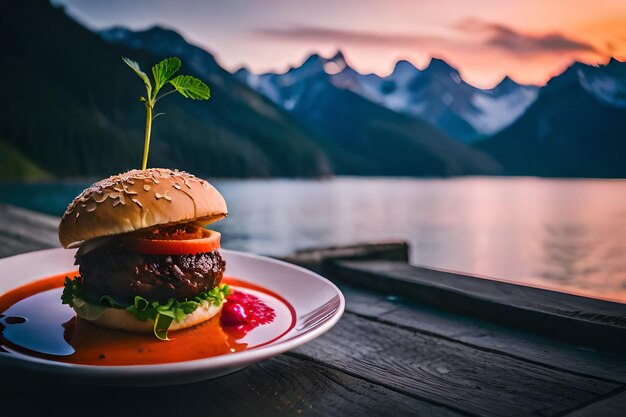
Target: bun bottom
<point>115,318</point>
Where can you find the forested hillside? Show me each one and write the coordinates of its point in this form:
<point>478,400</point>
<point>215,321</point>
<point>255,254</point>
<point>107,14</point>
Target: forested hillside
<point>70,106</point>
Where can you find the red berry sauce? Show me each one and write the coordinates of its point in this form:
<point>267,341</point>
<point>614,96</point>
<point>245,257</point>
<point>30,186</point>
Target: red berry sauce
<point>244,312</point>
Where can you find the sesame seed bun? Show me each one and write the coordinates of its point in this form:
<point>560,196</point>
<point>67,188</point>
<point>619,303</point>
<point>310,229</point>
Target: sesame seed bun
<point>119,319</point>
<point>137,200</point>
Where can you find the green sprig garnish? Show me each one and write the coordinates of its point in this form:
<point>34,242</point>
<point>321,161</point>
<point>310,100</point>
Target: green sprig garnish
<point>162,314</point>
<point>162,73</point>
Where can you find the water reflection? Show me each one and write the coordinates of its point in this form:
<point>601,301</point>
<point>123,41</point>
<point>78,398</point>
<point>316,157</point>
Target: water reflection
<point>568,250</point>
<point>585,259</point>
<point>559,234</point>
<point>564,234</point>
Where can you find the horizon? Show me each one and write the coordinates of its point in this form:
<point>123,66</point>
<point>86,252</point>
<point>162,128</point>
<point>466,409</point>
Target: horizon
<point>330,56</point>
<point>274,37</point>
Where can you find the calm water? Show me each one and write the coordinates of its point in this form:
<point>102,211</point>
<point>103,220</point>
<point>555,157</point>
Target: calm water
<point>563,234</point>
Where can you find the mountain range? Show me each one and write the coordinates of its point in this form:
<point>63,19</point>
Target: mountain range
<point>572,127</point>
<point>575,128</point>
<point>436,94</point>
<point>73,112</point>
<point>358,136</point>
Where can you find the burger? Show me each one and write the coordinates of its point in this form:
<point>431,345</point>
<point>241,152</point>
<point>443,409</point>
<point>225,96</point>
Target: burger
<point>146,261</point>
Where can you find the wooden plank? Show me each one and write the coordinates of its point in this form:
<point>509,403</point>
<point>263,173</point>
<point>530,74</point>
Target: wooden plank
<point>614,406</point>
<point>23,231</point>
<point>315,258</point>
<point>579,319</point>
<point>451,373</point>
<point>282,386</point>
<point>486,335</point>
<point>10,246</point>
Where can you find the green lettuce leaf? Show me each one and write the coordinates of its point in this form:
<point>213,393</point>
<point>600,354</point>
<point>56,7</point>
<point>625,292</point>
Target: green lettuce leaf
<point>71,289</point>
<point>162,314</point>
<point>162,322</point>
<point>87,310</point>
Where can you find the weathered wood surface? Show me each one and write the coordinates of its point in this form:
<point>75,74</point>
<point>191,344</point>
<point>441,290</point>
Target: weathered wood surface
<point>449,372</point>
<point>580,319</point>
<point>614,406</point>
<point>24,231</point>
<point>388,356</point>
<point>315,259</point>
<point>281,386</point>
<point>580,359</point>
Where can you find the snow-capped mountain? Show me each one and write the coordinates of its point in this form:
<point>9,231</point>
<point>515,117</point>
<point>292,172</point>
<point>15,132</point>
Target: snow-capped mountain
<point>575,127</point>
<point>328,96</point>
<point>437,93</point>
<point>286,89</point>
<point>497,108</point>
<point>356,135</point>
<point>606,83</point>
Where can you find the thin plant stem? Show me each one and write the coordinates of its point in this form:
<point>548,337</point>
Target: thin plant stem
<point>166,94</point>
<point>146,140</point>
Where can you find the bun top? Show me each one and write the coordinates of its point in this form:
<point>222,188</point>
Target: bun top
<point>136,200</point>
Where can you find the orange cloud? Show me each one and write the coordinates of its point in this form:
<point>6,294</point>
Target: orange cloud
<point>483,51</point>
<point>322,34</point>
<point>511,40</point>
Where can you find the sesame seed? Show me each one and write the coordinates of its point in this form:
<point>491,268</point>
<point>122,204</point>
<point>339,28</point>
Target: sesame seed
<point>100,199</point>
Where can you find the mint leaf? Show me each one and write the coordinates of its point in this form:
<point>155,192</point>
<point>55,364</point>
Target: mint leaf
<point>191,87</point>
<point>163,71</point>
<point>135,67</point>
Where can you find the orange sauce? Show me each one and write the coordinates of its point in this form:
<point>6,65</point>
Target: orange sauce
<point>33,322</point>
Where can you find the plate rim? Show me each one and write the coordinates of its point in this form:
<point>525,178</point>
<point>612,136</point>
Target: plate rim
<point>214,363</point>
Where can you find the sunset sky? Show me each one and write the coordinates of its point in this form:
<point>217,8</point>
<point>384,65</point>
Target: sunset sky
<point>530,40</point>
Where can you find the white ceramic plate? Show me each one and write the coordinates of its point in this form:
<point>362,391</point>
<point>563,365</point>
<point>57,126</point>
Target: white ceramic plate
<point>318,305</point>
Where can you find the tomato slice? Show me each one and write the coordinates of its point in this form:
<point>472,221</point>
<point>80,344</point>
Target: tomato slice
<point>209,242</point>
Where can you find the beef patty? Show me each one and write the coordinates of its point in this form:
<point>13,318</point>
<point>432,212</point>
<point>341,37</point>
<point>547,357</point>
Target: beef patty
<point>123,275</point>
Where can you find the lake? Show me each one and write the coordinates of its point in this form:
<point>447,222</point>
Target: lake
<point>563,234</point>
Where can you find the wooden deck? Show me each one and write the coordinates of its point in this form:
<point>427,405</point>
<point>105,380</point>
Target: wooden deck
<point>413,341</point>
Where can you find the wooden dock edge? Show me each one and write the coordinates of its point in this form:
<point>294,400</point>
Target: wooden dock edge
<point>384,268</point>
